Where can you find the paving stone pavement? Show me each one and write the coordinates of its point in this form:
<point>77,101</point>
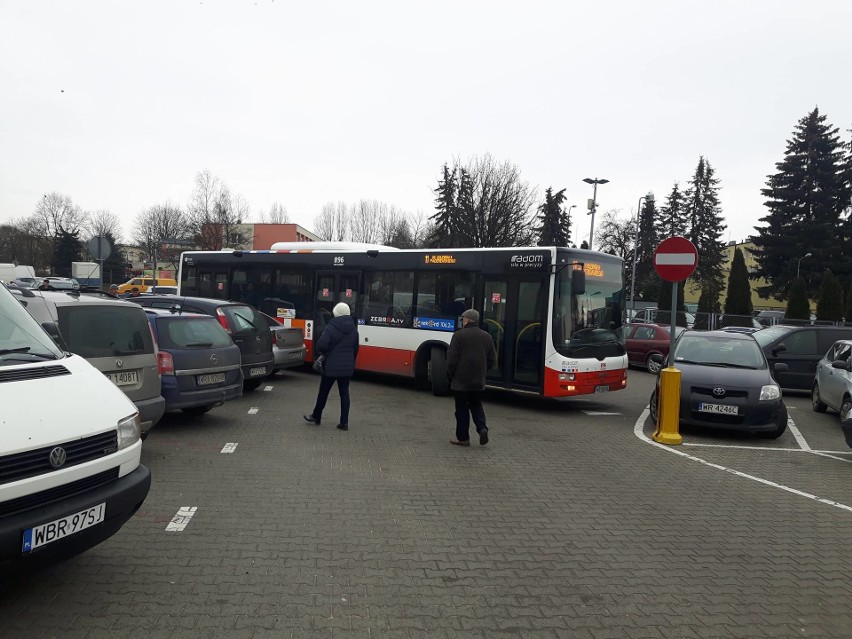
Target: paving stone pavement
<point>565,525</point>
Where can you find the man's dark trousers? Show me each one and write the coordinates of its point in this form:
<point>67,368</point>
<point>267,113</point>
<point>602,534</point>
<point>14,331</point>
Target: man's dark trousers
<point>468,403</point>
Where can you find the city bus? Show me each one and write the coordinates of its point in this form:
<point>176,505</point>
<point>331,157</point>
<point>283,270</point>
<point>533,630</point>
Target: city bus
<point>556,315</point>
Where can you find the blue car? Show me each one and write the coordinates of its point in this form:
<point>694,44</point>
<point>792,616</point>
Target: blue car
<point>198,361</point>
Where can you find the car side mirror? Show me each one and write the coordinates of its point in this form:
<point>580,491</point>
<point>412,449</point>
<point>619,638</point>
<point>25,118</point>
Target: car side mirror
<point>658,359</point>
<point>839,363</point>
<point>780,348</point>
<point>780,367</point>
<point>53,330</point>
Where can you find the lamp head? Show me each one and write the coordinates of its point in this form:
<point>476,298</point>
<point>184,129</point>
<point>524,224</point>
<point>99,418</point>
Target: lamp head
<point>806,255</point>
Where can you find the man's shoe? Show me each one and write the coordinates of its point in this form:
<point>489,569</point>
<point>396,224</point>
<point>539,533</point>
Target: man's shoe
<point>457,442</point>
<point>483,437</point>
<point>343,426</point>
<point>311,419</point>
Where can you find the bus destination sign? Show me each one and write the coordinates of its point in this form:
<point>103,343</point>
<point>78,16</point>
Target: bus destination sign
<point>439,259</point>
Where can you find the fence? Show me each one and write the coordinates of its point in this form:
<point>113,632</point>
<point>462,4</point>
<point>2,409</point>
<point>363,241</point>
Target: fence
<point>714,321</point>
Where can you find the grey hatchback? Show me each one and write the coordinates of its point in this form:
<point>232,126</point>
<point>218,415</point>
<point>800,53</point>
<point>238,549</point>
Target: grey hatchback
<point>242,322</point>
<point>111,334</point>
<point>726,383</point>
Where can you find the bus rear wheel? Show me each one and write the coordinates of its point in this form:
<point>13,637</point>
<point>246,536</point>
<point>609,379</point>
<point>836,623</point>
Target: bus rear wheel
<point>438,372</point>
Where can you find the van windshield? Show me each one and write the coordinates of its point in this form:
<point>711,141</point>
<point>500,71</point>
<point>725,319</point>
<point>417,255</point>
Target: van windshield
<point>21,338</point>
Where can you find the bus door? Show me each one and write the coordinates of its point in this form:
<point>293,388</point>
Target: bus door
<point>513,313</point>
<point>333,287</point>
<point>211,281</point>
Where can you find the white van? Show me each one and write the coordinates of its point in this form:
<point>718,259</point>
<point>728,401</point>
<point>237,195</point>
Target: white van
<point>70,447</point>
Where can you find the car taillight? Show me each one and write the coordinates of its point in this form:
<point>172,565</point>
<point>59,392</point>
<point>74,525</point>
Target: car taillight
<point>223,320</point>
<point>165,363</point>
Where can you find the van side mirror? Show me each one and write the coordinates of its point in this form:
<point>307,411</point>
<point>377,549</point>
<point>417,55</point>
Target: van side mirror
<point>53,330</point>
<point>578,282</point>
<point>780,367</point>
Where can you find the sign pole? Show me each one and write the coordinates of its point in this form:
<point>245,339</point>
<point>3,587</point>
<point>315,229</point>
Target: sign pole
<point>673,323</point>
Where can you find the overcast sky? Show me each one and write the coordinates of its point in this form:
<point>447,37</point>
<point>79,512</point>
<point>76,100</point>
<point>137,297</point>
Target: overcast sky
<point>119,105</point>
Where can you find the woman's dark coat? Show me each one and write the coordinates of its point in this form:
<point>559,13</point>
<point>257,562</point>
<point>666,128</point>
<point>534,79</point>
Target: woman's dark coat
<point>339,342</point>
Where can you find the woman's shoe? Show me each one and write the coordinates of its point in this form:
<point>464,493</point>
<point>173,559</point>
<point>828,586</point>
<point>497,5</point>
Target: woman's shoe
<point>311,419</point>
<point>343,426</point>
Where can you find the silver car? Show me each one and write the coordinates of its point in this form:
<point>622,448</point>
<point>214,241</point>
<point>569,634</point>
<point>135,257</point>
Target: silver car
<point>833,380</point>
<point>288,344</point>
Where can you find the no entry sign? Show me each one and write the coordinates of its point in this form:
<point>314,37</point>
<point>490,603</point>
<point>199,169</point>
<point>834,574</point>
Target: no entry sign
<point>675,259</point>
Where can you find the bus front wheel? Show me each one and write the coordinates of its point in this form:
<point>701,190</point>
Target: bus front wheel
<point>438,372</point>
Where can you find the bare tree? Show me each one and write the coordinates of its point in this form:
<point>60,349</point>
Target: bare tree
<point>365,221</point>
<point>419,225</point>
<point>332,224</point>
<point>103,222</point>
<point>277,214</point>
<point>56,213</point>
<point>201,210</point>
<point>157,227</point>
<point>615,235</point>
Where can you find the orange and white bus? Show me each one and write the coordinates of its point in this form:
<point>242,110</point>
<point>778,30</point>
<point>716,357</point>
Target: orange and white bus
<point>556,314</point>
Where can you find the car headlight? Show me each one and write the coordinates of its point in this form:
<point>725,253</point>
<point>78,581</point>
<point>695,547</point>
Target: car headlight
<point>770,391</point>
<point>128,431</point>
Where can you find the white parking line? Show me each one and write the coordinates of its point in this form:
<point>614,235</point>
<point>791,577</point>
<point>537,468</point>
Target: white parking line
<point>181,519</point>
<point>266,389</point>
<point>253,410</point>
<point>638,431</point>
<point>598,413</point>
<point>800,440</point>
<point>230,447</point>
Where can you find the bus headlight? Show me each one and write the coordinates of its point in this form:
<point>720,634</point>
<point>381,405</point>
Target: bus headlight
<point>128,431</point>
<point>566,377</point>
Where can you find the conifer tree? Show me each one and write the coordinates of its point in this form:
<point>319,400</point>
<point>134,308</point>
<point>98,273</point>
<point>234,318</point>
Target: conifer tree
<point>67,249</point>
<point>806,199</point>
<point>704,228</point>
<point>672,218</point>
<point>646,244</point>
<point>798,306</point>
<point>554,227</point>
<point>738,300</point>
<point>830,300</point>
<point>847,308</point>
<point>664,303</point>
<point>446,210</point>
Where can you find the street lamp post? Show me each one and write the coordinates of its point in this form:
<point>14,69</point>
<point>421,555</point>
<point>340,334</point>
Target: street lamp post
<point>647,198</point>
<point>573,206</point>
<point>799,264</point>
<point>594,206</point>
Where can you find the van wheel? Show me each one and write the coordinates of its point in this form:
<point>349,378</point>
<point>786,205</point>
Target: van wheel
<point>438,372</point>
<point>251,384</point>
<point>197,411</point>
<point>816,402</point>
<point>782,425</point>
<point>845,406</point>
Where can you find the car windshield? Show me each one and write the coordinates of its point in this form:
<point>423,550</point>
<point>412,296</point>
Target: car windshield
<point>191,332</point>
<point>21,338</point>
<point>712,350</point>
<point>105,331</point>
<point>768,335</point>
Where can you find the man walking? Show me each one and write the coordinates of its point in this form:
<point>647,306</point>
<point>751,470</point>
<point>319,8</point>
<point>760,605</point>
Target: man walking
<point>470,355</point>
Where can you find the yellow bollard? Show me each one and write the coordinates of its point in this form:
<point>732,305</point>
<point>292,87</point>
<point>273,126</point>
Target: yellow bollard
<point>668,408</point>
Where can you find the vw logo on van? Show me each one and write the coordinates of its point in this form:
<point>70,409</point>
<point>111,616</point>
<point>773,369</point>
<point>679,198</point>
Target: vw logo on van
<point>719,392</point>
<point>57,457</point>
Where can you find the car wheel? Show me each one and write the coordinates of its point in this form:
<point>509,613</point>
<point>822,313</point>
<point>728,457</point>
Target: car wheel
<point>652,366</point>
<point>196,411</point>
<point>782,425</point>
<point>652,405</point>
<point>251,384</point>
<point>816,402</point>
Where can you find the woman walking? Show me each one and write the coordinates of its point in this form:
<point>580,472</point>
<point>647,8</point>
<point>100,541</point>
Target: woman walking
<point>339,344</point>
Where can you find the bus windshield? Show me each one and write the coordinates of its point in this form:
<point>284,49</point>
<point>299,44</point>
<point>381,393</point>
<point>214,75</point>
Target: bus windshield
<point>588,323</point>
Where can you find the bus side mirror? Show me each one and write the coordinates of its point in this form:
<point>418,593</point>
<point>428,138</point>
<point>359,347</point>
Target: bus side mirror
<point>578,282</point>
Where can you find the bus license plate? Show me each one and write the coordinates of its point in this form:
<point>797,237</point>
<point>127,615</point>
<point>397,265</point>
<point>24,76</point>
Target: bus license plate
<point>719,409</point>
<point>124,378</point>
<point>212,378</point>
<point>602,389</point>
<point>254,372</point>
<point>57,529</point>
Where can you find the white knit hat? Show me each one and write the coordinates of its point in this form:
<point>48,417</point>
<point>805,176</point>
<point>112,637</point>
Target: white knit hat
<point>341,309</point>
